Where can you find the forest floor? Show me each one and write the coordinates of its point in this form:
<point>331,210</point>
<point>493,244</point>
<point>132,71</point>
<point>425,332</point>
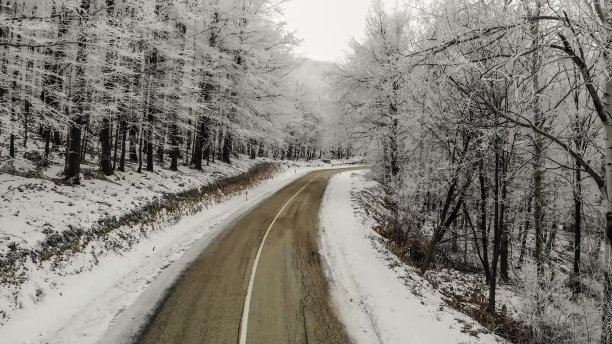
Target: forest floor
<point>381,299</point>
<point>72,258</point>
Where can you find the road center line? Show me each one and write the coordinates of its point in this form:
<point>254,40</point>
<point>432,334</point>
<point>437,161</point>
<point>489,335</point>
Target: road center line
<point>247,302</point>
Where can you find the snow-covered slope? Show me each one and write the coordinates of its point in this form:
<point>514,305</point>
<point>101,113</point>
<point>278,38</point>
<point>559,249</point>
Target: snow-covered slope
<point>122,288</point>
<point>380,299</point>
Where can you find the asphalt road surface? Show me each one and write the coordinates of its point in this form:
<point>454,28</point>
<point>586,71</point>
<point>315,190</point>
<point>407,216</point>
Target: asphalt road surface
<point>262,282</point>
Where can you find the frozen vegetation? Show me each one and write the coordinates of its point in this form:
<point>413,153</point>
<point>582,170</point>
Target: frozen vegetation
<point>133,132</point>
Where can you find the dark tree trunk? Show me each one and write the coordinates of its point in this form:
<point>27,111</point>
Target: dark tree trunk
<point>188,157</point>
<point>47,135</point>
<point>496,238</point>
<point>106,165</point>
<point>253,149</point>
<point>73,166</point>
<point>483,221</point>
<point>150,154</point>
<point>215,144</point>
<point>199,145</point>
<point>73,156</point>
<point>134,142</point>
<point>206,140</point>
<point>445,222</point>
<point>67,150</point>
<point>124,131</point>
<point>174,147</point>
<point>26,119</point>
<point>57,140</point>
<point>150,150</point>
<point>116,146</point>
<point>160,149</point>
<point>227,147</point>
<point>525,233</point>
<point>140,149</point>
<point>503,265</point>
<point>577,219</point>
<point>84,142</point>
<point>261,151</point>
<point>12,146</point>
<point>393,139</point>
<point>181,30</point>
<point>446,218</point>
<point>606,332</point>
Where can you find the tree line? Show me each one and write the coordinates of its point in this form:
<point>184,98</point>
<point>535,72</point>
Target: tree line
<point>148,82</point>
<point>490,128</point>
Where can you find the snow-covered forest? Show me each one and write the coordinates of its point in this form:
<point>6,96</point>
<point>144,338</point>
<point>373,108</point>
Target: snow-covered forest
<point>118,114</point>
<point>159,83</point>
<point>134,133</point>
<point>491,133</point>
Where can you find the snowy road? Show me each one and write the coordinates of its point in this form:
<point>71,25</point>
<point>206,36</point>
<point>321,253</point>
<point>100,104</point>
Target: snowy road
<point>272,250</point>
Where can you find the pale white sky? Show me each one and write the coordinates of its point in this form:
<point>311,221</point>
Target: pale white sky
<point>326,26</point>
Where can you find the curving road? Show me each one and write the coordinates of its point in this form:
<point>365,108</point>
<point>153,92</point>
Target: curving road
<point>262,282</point>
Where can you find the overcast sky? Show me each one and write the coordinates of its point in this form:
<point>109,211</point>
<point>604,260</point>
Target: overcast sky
<point>326,26</point>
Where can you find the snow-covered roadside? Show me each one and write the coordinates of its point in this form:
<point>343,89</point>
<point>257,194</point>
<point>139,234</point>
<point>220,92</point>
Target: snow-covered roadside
<point>125,287</point>
<point>379,299</point>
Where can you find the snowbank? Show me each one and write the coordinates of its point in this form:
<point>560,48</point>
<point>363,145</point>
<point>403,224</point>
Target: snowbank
<point>380,299</point>
<point>123,287</point>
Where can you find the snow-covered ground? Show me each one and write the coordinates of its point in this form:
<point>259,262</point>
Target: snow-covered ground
<point>30,208</point>
<point>380,299</point>
<point>69,305</point>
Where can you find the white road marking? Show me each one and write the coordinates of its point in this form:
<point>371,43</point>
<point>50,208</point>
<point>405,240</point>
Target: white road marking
<point>247,302</point>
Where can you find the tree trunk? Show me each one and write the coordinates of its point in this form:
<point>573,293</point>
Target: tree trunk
<point>174,147</point>
<point>483,221</point>
<point>57,140</point>
<point>12,146</point>
<point>577,219</point>
<point>206,142</point>
<point>252,149</point>
<point>177,77</point>
<point>106,165</point>
<point>445,221</point>
<point>73,166</point>
<point>149,144</point>
<point>116,146</point>
<point>227,147</point>
<point>503,265</point>
<point>73,156</point>
<point>134,142</point>
<point>393,139</point>
<point>215,144</point>
<point>140,149</point>
<point>124,132</point>
<point>198,149</point>
<point>496,237</point>
<point>188,157</point>
<point>160,149</point>
<point>47,144</point>
<point>606,335</point>
<point>26,118</point>
<point>84,141</point>
<point>525,233</point>
<point>538,120</point>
